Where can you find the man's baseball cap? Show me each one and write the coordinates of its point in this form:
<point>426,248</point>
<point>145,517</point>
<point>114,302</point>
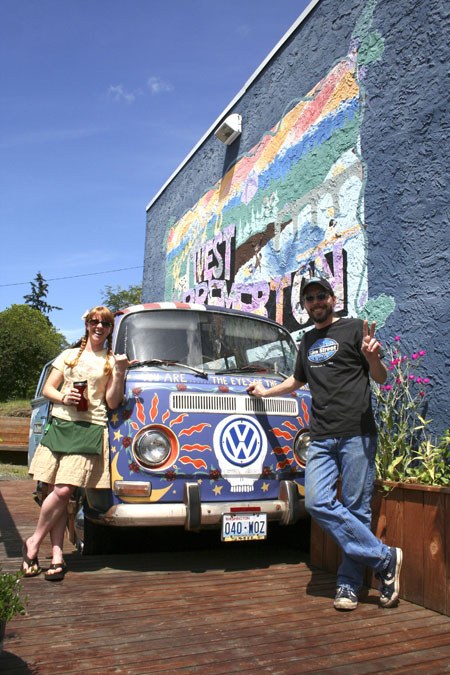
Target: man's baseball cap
<point>320,282</point>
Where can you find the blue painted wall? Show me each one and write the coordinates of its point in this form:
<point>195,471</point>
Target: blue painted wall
<point>396,266</point>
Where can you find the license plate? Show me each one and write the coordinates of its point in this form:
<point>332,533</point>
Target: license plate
<point>244,526</point>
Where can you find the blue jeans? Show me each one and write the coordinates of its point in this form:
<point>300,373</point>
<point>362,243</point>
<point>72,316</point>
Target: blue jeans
<point>347,521</point>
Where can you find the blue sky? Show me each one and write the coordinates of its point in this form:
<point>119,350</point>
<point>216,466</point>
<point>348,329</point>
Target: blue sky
<point>100,101</point>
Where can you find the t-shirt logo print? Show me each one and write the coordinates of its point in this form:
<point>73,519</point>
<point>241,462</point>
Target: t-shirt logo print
<point>322,350</point>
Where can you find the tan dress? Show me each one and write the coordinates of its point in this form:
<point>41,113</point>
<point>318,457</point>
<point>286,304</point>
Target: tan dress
<point>78,469</point>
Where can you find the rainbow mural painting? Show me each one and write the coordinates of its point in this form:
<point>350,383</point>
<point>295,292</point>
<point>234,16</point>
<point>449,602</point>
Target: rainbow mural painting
<point>290,208</point>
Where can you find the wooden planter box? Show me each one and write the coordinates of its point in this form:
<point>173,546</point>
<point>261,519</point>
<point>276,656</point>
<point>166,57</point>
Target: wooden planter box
<point>416,518</point>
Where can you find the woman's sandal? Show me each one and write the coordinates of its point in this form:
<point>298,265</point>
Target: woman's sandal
<point>33,568</point>
<point>56,576</point>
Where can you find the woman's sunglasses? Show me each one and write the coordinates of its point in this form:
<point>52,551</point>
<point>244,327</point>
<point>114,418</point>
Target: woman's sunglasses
<point>96,322</point>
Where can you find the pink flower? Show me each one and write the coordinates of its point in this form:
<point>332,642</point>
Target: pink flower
<point>412,377</point>
<point>421,393</point>
<point>404,358</point>
<point>415,356</point>
<point>398,380</point>
<point>422,352</point>
<point>425,380</point>
<point>418,380</point>
<point>397,338</point>
<point>388,387</point>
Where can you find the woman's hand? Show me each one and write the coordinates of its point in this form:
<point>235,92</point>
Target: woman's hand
<point>122,363</point>
<point>71,397</point>
<point>115,386</point>
<point>52,390</point>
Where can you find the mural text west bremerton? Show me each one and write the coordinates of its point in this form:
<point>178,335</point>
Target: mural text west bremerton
<point>289,209</point>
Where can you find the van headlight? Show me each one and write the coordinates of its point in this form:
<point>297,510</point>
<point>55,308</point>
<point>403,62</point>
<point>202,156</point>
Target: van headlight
<point>155,447</point>
<point>301,445</point>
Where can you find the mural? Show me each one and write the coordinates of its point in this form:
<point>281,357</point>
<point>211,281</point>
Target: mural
<point>290,208</point>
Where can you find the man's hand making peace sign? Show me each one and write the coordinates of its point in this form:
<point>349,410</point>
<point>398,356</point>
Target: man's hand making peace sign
<point>371,350</point>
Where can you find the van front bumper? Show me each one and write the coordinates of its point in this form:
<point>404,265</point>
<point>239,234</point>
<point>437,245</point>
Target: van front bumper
<point>194,515</point>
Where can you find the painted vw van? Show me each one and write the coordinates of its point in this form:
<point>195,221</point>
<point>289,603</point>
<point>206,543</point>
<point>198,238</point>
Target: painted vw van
<point>188,446</point>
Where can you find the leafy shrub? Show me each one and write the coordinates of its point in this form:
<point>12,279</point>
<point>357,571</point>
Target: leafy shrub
<point>11,601</point>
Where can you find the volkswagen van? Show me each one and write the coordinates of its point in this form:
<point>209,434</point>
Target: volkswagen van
<point>188,445</point>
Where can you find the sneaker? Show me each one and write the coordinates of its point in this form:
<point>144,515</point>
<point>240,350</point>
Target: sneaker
<point>390,578</point>
<point>345,598</point>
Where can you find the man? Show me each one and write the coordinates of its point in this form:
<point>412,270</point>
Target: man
<point>335,359</point>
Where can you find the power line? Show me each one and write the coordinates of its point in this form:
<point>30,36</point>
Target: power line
<point>76,276</point>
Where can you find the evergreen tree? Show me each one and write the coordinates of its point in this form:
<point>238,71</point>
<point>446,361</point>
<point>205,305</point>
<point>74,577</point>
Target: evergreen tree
<point>36,299</point>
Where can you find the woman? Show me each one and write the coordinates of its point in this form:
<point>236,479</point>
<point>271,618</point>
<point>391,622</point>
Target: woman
<point>74,449</point>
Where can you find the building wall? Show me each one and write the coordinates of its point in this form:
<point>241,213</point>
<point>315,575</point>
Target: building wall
<point>340,171</point>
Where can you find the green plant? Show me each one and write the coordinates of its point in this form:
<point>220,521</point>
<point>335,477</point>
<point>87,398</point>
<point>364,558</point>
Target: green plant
<point>11,600</point>
<point>407,452</point>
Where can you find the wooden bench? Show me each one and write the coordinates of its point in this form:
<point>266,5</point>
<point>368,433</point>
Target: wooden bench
<point>14,434</point>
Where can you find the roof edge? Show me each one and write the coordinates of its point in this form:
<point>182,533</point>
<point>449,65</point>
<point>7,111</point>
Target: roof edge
<point>238,96</point>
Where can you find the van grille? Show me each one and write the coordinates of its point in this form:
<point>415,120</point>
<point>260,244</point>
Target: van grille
<point>223,403</point>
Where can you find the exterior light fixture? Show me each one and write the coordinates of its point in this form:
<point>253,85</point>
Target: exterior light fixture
<point>230,129</point>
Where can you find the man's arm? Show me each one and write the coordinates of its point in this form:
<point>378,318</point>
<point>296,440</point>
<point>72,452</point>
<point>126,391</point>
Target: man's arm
<point>371,350</point>
<point>286,387</point>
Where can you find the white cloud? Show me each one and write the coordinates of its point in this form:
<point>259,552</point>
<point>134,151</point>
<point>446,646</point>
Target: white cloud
<point>158,86</point>
<point>118,93</point>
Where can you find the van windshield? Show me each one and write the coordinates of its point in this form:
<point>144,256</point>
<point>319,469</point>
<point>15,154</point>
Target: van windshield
<point>206,340</point>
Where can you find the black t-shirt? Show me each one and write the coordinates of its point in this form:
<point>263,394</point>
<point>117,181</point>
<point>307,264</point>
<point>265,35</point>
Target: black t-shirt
<point>331,362</point>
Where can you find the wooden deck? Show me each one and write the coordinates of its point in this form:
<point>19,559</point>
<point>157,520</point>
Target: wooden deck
<point>203,607</point>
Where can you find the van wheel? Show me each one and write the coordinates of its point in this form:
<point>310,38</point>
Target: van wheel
<point>98,539</point>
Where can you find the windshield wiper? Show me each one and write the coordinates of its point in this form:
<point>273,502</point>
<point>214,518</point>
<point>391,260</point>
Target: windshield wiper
<point>167,362</point>
<point>252,369</point>
<point>244,369</point>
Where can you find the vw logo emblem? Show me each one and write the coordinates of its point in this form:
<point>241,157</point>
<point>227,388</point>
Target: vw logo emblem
<point>240,440</point>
